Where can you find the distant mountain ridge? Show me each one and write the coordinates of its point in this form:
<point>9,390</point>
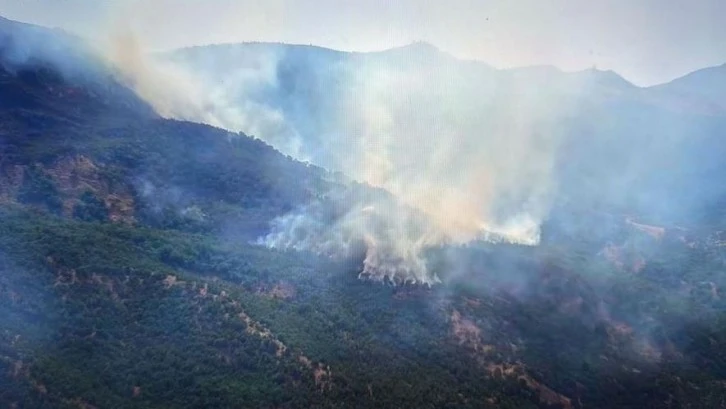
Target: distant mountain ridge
<point>698,90</point>
<point>422,47</point>
<point>707,84</point>
<point>600,108</point>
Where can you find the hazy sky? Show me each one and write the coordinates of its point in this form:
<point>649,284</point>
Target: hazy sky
<point>647,41</point>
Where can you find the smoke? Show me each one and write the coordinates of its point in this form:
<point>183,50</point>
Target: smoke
<point>169,91</point>
<point>475,164</point>
<point>177,92</point>
<point>23,45</point>
<point>464,160</point>
<point>464,157</point>
<point>467,153</point>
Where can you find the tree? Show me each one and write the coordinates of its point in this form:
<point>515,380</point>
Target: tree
<point>90,208</point>
<point>38,189</point>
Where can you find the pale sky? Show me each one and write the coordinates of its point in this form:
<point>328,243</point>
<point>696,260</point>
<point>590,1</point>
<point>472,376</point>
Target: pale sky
<point>646,41</point>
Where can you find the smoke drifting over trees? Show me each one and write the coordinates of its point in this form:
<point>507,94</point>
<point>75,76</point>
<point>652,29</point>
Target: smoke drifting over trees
<point>468,152</point>
<point>476,153</point>
<point>575,219</point>
<point>472,157</point>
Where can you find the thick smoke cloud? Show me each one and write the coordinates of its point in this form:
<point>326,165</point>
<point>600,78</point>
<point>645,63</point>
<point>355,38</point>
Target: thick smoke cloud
<point>461,153</point>
<point>177,92</point>
<point>475,153</point>
<point>169,91</point>
<point>466,149</point>
<point>467,152</point>
<point>388,237</point>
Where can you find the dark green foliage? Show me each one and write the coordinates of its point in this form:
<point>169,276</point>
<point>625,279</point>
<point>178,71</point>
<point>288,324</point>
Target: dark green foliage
<point>110,323</point>
<point>95,319</point>
<point>39,190</point>
<point>178,165</point>
<point>151,313</point>
<point>90,208</point>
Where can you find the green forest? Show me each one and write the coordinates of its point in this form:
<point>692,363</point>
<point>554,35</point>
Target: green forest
<point>130,278</point>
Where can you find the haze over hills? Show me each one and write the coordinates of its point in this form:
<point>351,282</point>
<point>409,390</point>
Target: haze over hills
<point>551,137</point>
<point>707,85</point>
<point>570,226</point>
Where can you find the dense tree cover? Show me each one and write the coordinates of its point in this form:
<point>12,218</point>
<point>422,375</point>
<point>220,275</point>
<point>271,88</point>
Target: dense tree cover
<point>90,208</point>
<point>38,189</point>
<point>100,320</point>
<point>147,292</point>
<point>89,315</point>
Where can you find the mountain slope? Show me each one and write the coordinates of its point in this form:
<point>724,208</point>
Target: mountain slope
<point>57,72</point>
<point>707,85</point>
<point>630,149</point>
<point>127,280</point>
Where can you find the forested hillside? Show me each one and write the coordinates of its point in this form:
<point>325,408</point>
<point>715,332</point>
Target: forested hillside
<point>130,278</point>
<point>654,152</point>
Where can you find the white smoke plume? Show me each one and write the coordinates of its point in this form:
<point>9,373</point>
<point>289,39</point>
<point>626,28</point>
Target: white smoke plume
<point>169,90</point>
<point>466,148</point>
<point>475,160</point>
<point>176,92</point>
<point>390,238</point>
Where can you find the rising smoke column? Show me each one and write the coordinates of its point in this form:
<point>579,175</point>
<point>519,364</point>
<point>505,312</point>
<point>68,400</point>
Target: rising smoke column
<point>466,151</point>
<point>470,150</point>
